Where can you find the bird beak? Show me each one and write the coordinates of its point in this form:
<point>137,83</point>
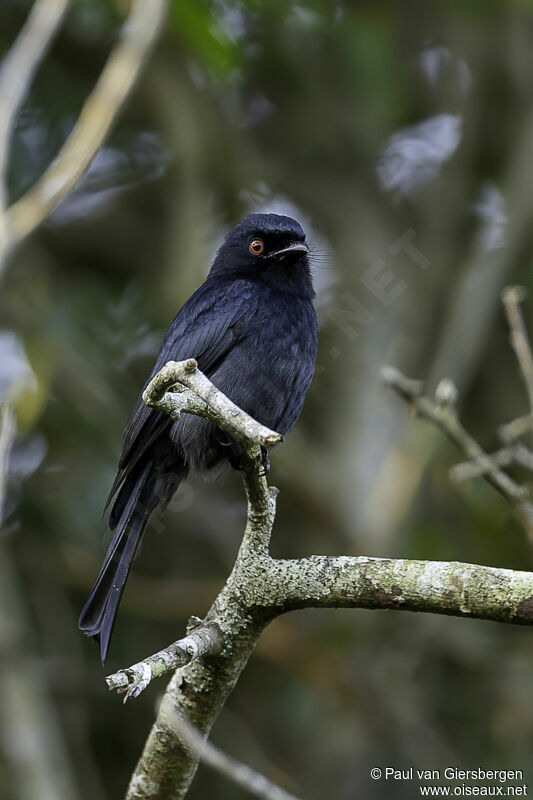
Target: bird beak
<point>297,247</point>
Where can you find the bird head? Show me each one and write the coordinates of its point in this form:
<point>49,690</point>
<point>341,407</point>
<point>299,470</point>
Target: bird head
<point>267,247</point>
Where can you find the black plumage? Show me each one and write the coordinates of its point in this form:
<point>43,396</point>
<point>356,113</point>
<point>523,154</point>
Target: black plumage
<point>252,328</point>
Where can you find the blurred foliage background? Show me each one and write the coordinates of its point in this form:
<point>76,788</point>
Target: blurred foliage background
<point>401,136</point>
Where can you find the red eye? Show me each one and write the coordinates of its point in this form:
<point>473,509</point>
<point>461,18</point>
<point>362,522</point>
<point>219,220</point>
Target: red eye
<point>256,247</point>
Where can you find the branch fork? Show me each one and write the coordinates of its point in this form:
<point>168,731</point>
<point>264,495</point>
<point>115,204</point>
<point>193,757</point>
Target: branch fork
<point>207,662</point>
<point>441,411</point>
<point>181,387</point>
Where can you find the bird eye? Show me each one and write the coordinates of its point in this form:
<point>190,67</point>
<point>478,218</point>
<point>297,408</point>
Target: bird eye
<point>256,247</point>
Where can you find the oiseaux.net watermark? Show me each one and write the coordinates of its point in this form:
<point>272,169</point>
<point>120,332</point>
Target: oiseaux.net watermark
<point>456,782</point>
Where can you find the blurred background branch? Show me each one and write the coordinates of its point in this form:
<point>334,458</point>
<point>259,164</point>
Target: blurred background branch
<point>31,739</point>
<point>95,120</point>
<point>7,434</point>
<point>444,416</point>
<point>442,413</point>
<point>235,771</point>
<point>17,72</point>
<point>512,296</point>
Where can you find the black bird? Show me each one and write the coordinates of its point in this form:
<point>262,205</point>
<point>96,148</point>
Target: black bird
<point>252,328</point>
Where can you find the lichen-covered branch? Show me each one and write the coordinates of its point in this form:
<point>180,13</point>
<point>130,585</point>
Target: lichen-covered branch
<point>258,592</point>
<point>200,687</point>
<point>260,588</point>
<point>438,587</point>
<point>200,641</point>
<point>195,394</point>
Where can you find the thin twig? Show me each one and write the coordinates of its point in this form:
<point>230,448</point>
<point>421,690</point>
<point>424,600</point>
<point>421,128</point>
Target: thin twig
<point>7,434</point>
<point>444,416</point>
<point>97,116</point>
<point>517,454</point>
<point>16,75</point>
<point>477,468</point>
<point>515,429</point>
<point>512,296</point>
<point>523,456</point>
<point>205,639</point>
<point>236,771</point>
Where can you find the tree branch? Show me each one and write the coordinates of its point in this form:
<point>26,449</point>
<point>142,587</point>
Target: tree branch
<point>96,118</point>
<point>260,588</point>
<point>202,686</point>
<point>200,641</point>
<point>239,773</point>
<point>438,587</point>
<point>195,394</point>
<point>443,415</point>
<point>7,435</point>
<point>515,429</point>
<point>36,758</point>
<point>18,69</point>
<point>512,296</point>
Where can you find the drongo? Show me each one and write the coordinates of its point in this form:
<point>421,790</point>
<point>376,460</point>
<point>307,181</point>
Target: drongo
<point>252,328</point>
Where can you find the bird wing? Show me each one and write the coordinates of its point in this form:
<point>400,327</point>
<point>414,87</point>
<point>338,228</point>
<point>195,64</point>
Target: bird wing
<point>206,328</point>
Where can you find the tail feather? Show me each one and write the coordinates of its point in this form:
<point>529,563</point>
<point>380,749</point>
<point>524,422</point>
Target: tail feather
<point>120,507</point>
<point>98,616</point>
<point>109,608</point>
<point>148,485</point>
